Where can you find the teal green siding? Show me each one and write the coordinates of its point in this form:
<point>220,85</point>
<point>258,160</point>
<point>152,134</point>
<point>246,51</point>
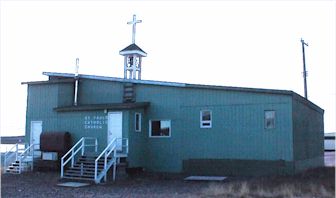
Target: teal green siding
<point>65,94</point>
<point>237,134</point>
<point>138,140</point>
<point>75,123</point>
<point>41,99</point>
<point>99,92</point>
<point>163,154</point>
<point>308,136</point>
<point>94,126</point>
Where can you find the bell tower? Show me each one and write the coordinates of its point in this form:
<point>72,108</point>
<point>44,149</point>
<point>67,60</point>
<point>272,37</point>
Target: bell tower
<point>133,55</point>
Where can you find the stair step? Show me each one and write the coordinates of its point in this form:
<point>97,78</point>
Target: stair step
<point>88,165</point>
<point>91,155</point>
<point>80,165</point>
<point>22,164</point>
<point>100,161</point>
<point>93,160</point>
<point>84,169</point>
<point>85,172</point>
<point>11,166</point>
<point>79,172</point>
<point>84,166</point>
<point>78,178</point>
<point>17,167</point>
<point>18,164</point>
<point>129,93</point>
<point>128,90</point>
<point>88,174</point>
<point>13,171</point>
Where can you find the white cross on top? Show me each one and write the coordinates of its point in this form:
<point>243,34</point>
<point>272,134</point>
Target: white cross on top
<point>134,22</point>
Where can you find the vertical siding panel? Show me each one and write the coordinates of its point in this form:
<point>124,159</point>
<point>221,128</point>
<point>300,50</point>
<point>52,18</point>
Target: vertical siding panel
<point>308,136</point>
<point>238,121</point>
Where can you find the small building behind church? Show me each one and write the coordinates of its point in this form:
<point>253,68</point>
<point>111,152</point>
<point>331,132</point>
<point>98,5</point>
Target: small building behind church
<point>179,127</point>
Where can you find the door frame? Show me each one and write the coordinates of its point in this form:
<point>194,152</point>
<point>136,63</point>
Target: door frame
<point>31,130</point>
<point>108,123</point>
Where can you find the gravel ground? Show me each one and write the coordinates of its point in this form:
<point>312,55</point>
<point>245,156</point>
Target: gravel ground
<point>44,184</point>
<point>312,183</point>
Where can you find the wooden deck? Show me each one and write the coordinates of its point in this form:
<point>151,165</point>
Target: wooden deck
<point>12,139</point>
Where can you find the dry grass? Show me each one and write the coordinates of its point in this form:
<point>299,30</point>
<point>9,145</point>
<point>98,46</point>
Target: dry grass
<point>243,189</point>
<point>317,183</point>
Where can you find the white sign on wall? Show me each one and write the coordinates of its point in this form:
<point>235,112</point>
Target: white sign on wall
<point>94,122</point>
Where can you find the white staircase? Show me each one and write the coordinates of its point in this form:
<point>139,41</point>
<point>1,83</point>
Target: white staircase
<point>19,159</point>
<point>81,163</point>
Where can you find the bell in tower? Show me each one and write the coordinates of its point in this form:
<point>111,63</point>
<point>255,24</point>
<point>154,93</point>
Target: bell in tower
<point>132,56</point>
<point>132,61</point>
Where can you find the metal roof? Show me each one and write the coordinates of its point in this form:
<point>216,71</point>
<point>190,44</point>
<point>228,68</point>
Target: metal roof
<point>165,83</point>
<point>106,78</point>
<point>132,49</point>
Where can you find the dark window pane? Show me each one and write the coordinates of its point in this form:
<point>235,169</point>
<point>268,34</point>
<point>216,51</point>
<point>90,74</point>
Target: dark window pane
<point>156,126</point>
<point>160,128</point>
<point>269,119</point>
<point>206,116</point>
<point>137,122</point>
<point>164,132</point>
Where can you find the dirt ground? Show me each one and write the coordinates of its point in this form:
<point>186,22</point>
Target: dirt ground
<point>312,183</point>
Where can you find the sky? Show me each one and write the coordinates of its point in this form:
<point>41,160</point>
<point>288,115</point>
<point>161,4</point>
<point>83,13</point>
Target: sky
<point>230,43</point>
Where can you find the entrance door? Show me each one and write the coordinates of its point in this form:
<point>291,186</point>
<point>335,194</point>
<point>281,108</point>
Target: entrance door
<point>115,128</point>
<point>35,132</point>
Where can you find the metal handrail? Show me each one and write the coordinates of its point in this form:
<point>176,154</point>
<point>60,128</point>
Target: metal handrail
<point>124,145</point>
<point>10,150</point>
<point>10,154</point>
<point>111,147</point>
<point>81,148</point>
<point>23,156</point>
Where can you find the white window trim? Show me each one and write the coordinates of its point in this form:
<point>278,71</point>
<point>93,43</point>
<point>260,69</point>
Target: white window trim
<point>150,128</point>
<point>205,122</point>
<point>135,121</point>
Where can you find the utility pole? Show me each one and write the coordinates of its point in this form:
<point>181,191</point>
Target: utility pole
<point>304,67</point>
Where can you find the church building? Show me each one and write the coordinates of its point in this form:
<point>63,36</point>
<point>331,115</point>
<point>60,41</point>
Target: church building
<point>174,127</point>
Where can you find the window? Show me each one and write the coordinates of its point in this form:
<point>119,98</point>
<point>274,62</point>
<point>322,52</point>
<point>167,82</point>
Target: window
<point>137,122</point>
<point>206,119</point>
<point>269,119</point>
<point>159,128</point>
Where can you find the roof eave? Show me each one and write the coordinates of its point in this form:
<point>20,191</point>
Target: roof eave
<point>129,52</point>
<point>109,106</point>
